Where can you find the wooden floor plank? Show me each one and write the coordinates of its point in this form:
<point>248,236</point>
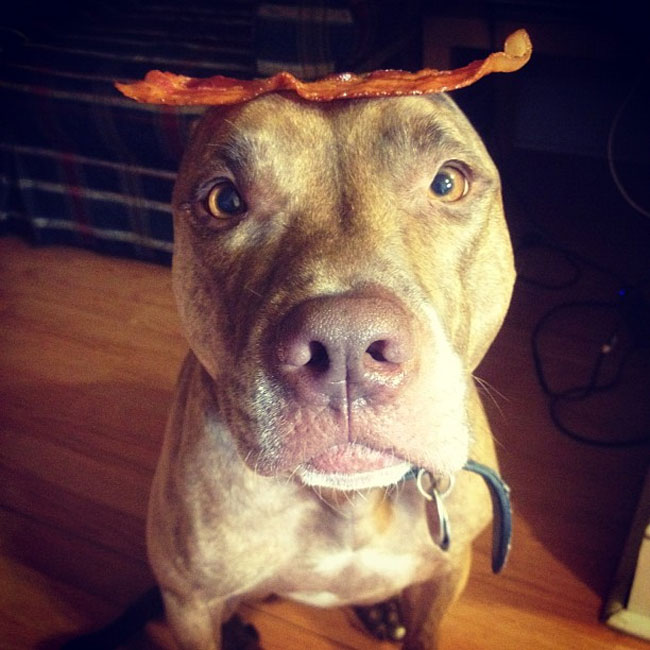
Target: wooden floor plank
<point>89,353</point>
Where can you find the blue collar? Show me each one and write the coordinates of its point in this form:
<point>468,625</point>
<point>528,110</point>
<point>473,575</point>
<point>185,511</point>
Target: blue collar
<point>501,507</point>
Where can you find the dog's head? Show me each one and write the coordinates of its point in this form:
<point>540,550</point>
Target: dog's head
<point>340,270</point>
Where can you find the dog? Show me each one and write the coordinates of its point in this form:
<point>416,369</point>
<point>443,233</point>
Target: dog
<point>340,269</point>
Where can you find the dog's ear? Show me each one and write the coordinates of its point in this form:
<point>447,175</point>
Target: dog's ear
<point>491,279</point>
<point>192,126</point>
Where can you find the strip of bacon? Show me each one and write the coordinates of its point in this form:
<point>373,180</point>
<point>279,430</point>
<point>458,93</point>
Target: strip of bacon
<point>168,88</point>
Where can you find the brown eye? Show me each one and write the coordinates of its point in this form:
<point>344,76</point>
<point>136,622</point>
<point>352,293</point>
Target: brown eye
<point>449,184</point>
<point>224,201</point>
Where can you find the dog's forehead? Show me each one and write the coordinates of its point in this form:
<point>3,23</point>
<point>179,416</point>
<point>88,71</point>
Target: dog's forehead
<point>274,120</point>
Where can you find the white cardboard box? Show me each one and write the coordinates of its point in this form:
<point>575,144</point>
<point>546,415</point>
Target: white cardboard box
<point>628,607</point>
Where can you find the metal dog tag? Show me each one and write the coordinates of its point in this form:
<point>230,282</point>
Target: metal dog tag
<point>434,507</point>
<point>438,520</point>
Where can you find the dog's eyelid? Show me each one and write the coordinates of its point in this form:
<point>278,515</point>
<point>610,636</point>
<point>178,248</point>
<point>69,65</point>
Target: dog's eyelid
<point>474,170</point>
<point>220,177</point>
<point>459,164</point>
<point>463,160</point>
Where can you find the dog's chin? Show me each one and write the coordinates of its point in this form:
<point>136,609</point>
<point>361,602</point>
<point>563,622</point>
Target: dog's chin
<point>352,467</point>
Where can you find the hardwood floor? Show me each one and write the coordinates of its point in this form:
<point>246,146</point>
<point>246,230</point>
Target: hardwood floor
<point>89,351</point>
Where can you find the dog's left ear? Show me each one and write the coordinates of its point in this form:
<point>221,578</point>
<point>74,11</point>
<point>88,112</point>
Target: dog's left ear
<point>192,127</point>
<point>490,278</point>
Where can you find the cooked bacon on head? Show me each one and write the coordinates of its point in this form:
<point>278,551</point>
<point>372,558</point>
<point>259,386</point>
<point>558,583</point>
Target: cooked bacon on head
<point>168,88</point>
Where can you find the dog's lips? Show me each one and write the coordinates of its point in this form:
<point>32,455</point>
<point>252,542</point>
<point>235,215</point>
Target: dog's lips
<point>351,458</point>
<point>353,467</point>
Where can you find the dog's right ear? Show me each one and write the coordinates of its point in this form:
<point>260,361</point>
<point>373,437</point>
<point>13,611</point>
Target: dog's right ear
<point>192,127</point>
<point>190,130</point>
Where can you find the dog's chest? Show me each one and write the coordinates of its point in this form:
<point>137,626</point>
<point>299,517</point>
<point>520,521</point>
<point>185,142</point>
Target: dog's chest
<point>359,560</point>
<point>349,576</point>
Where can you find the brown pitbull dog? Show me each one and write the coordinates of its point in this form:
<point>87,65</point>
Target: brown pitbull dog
<point>340,269</point>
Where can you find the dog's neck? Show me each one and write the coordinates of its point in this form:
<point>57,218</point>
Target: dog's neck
<point>375,503</point>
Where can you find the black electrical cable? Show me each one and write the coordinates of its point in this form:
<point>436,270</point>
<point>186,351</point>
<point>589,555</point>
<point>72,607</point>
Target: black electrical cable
<point>595,383</point>
<point>632,308</point>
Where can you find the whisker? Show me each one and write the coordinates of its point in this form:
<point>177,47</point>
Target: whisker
<point>255,293</point>
<point>490,391</point>
<point>292,474</point>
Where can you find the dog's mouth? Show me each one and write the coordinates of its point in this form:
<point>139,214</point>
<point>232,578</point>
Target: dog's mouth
<point>353,466</point>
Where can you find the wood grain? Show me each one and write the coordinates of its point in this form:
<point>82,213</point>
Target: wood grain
<point>89,351</point>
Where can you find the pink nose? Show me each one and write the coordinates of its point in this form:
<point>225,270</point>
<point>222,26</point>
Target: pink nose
<point>345,348</point>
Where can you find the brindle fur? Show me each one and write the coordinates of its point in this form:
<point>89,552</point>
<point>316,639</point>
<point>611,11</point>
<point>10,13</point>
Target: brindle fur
<point>338,204</point>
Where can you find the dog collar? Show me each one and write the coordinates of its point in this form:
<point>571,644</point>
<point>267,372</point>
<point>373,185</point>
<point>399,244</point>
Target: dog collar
<point>438,521</point>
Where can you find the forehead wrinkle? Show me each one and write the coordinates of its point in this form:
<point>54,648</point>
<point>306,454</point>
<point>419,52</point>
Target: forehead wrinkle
<point>237,151</point>
<point>421,136</point>
<point>256,144</point>
<point>282,158</point>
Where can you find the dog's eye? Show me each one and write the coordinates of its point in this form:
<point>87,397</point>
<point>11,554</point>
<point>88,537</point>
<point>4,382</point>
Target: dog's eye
<point>449,184</point>
<point>224,201</point>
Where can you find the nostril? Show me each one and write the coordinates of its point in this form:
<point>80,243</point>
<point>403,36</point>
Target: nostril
<point>394,350</point>
<point>319,359</point>
<point>377,351</point>
<point>304,354</point>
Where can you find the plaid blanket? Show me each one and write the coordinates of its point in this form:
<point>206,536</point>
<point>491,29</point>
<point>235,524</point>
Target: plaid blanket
<point>82,165</point>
